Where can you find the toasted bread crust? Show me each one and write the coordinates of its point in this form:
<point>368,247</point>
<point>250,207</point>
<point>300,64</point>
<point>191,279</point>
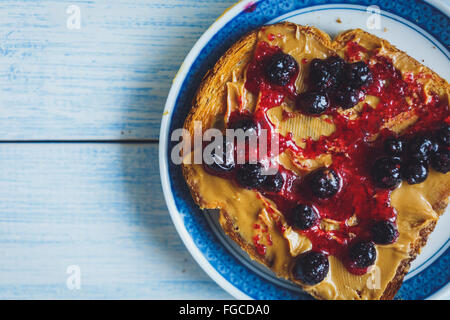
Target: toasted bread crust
<point>402,270</point>
<point>212,89</point>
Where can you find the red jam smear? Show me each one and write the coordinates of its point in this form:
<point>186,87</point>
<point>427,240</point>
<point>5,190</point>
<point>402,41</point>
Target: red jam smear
<point>354,50</point>
<point>260,248</point>
<point>271,94</point>
<point>352,151</point>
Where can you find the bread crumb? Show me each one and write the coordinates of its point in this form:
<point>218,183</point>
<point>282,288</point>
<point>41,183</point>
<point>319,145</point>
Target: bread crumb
<point>338,20</point>
<point>385,29</point>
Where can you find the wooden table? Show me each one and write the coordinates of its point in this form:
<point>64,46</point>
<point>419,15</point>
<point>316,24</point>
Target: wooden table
<point>80,111</point>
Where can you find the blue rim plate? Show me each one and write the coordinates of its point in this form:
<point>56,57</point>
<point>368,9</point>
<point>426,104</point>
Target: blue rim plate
<point>428,21</point>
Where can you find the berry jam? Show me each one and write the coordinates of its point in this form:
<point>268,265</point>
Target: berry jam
<point>353,52</point>
<point>353,148</point>
<point>271,94</point>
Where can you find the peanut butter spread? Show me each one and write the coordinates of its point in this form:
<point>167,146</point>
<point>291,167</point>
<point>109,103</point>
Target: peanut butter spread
<point>258,221</point>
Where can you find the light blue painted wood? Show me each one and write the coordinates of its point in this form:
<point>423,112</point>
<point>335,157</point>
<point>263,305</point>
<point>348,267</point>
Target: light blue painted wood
<point>98,206</point>
<point>107,80</point>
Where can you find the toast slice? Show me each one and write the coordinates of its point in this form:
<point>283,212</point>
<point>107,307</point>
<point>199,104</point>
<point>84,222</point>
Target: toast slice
<point>254,220</point>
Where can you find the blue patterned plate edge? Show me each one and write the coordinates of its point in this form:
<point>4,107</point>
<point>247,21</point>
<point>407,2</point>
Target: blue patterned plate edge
<point>189,220</point>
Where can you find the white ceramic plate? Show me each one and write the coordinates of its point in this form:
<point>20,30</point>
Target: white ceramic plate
<point>421,31</point>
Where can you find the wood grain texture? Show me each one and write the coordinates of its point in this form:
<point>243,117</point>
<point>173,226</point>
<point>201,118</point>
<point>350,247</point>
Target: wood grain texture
<point>98,206</point>
<point>107,80</point>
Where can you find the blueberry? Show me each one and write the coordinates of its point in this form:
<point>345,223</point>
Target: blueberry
<point>420,148</point>
<point>363,254</point>
<point>311,267</point>
<point>320,76</point>
<point>394,146</point>
<point>346,97</point>
<point>245,123</point>
<point>223,160</point>
<point>441,160</point>
<point>273,183</point>
<point>304,216</point>
<point>434,146</point>
<point>313,102</point>
<point>386,172</point>
<point>443,135</point>
<point>415,172</point>
<point>335,65</point>
<point>384,232</point>
<point>324,183</point>
<point>281,69</point>
<point>326,74</point>
<point>250,175</point>
<point>358,74</point>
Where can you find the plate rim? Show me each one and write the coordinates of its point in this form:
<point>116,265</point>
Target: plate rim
<point>163,144</point>
<point>171,101</point>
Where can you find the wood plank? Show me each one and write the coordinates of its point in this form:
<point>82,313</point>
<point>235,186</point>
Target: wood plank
<point>97,206</point>
<point>107,80</point>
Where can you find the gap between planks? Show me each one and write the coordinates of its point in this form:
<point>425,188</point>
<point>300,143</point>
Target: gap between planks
<point>128,141</point>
